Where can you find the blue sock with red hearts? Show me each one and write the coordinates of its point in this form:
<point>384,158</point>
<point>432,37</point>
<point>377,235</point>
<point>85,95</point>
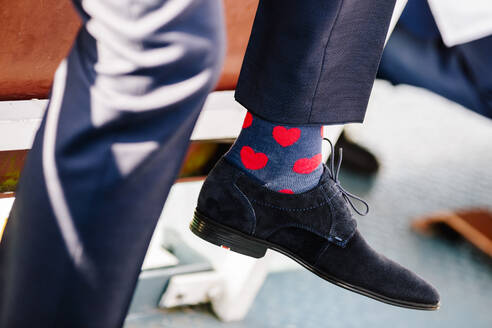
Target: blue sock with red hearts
<point>285,158</point>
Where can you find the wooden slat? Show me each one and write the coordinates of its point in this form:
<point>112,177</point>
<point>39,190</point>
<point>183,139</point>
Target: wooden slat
<point>475,225</point>
<point>36,35</point>
<point>200,158</point>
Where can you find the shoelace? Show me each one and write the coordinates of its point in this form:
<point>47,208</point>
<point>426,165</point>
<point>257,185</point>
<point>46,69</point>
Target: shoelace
<point>334,176</point>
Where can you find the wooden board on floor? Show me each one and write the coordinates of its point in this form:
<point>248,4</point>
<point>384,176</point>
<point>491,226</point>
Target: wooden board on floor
<point>475,225</point>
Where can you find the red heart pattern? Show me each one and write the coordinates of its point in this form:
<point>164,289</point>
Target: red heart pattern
<point>252,160</point>
<point>286,137</point>
<point>248,120</point>
<point>265,136</point>
<point>307,165</point>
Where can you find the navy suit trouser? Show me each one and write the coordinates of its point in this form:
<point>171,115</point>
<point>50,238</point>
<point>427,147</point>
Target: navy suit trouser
<point>416,55</point>
<point>122,108</point>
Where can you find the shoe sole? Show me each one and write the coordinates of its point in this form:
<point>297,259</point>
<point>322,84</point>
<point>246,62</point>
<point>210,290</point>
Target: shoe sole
<point>242,243</point>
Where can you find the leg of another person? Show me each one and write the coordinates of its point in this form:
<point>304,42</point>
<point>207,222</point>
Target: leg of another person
<point>118,123</point>
<point>478,61</point>
<point>416,55</point>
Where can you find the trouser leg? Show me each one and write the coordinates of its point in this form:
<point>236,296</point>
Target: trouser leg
<point>461,73</point>
<point>122,108</point>
<point>313,62</point>
<point>478,65</point>
<point>409,59</point>
<point>416,55</point>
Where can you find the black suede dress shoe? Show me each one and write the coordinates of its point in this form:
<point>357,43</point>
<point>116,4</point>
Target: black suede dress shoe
<point>315,228</point>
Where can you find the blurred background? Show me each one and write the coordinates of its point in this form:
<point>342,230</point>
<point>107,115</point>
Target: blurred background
<point>422,159</point>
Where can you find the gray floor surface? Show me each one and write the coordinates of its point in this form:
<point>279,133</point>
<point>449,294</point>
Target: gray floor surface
<point>433,158</point>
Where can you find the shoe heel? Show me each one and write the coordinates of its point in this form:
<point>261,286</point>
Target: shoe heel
<point>225,237</point>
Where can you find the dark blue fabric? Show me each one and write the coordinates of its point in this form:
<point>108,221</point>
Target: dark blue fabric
<point>43,283</point>
<point>277,154</point>
<point>478,66</point>
<point>417,17</point>
<point>312,61</point>
<point>461,73</point>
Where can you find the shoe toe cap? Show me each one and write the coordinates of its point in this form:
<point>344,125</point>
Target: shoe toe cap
<point>359,265</point>
<point>409,287</point>
<point>424,293</point>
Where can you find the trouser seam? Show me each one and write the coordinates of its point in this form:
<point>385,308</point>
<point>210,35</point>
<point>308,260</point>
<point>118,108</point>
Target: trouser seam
<point>339,9</point>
